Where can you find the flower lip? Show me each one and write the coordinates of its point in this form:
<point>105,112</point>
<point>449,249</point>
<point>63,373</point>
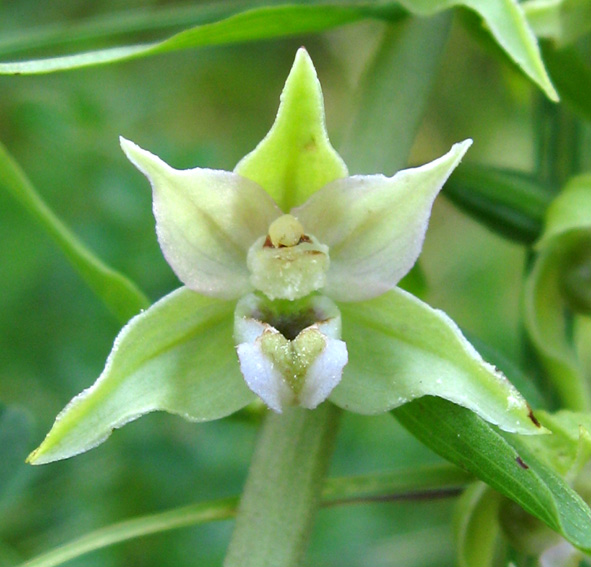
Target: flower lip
<point>294,358</point>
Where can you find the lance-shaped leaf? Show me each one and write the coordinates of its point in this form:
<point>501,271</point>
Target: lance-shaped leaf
<point>560,284</point>
<point>206,221</point>
<point>504,18</point>
<point>295,158</point>
<point>501,460</point>
<point>401,349</point>
<point>178,356</point>
<point>374,226</point>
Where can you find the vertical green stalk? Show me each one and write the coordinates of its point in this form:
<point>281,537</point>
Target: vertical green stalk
<point>558,138</point>
<point>282,491</point>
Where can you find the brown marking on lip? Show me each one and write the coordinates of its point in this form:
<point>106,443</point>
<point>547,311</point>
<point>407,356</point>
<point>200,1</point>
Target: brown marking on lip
<point>521,463</point>
<point>268,243</point>
<point>305,238</point>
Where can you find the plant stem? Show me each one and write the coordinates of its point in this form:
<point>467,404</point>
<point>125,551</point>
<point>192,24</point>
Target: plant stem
<point>283,488</point>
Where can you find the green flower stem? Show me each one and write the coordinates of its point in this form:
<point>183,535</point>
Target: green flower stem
<point>558,143</point>
<point>283,488</point>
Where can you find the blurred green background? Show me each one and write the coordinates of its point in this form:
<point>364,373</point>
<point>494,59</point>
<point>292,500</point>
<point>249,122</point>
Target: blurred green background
<point>208,108</point>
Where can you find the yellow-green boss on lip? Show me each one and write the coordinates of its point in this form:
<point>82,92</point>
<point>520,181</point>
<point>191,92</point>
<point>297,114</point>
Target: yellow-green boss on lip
<point>290,269</point>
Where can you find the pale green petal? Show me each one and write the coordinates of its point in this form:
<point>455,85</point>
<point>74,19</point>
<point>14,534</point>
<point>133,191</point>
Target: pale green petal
<point>178,356</point>
<point>569,212</point>
<point>401,349</point>
<point>206,221</point>
<point>557,288</point>
<point>295,159</point>
<point>374,226</point>
<point>545,321</point>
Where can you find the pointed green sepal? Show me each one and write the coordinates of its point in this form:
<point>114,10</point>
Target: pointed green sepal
<point>295,158</point>
<point>401,349</point>
<point>178,356</point>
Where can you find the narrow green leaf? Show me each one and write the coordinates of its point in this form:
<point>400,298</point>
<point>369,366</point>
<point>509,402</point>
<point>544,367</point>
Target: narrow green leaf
<point>113,26</point>
<point>510,203</point>
<point>191,515</point>
<point>250,25</point>
<point>401,349</point>
<point>477,526</point>
<point>118,293</point>
<point>502,461</point>
<point>508,25</point>
<point>178,356</point>
<point>394,94</point>
<point>504,18</point>
<point>388,486</point>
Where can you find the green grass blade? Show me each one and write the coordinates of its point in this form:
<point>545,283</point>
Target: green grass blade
<point>137,527</point>
<point>107,28</point>
<point>118,293</point>
<point>251,25</point>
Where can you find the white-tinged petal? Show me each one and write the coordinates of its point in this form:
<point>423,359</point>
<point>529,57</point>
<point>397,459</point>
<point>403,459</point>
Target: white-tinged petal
<point>374,226</point>
<point>324,373</point>
<point>262,376</point>
<point>206,221</point>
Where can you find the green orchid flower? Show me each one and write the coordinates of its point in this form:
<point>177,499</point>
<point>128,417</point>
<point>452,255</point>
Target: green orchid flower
<point>290,269</point>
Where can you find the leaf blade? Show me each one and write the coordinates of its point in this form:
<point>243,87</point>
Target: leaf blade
<point>501,460</point>
<point>255,24</point>
<point>118,293</point>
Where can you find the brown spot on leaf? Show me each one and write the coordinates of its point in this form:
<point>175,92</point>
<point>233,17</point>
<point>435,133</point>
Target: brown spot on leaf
<point>521,463</point>
<point>533,418</point>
